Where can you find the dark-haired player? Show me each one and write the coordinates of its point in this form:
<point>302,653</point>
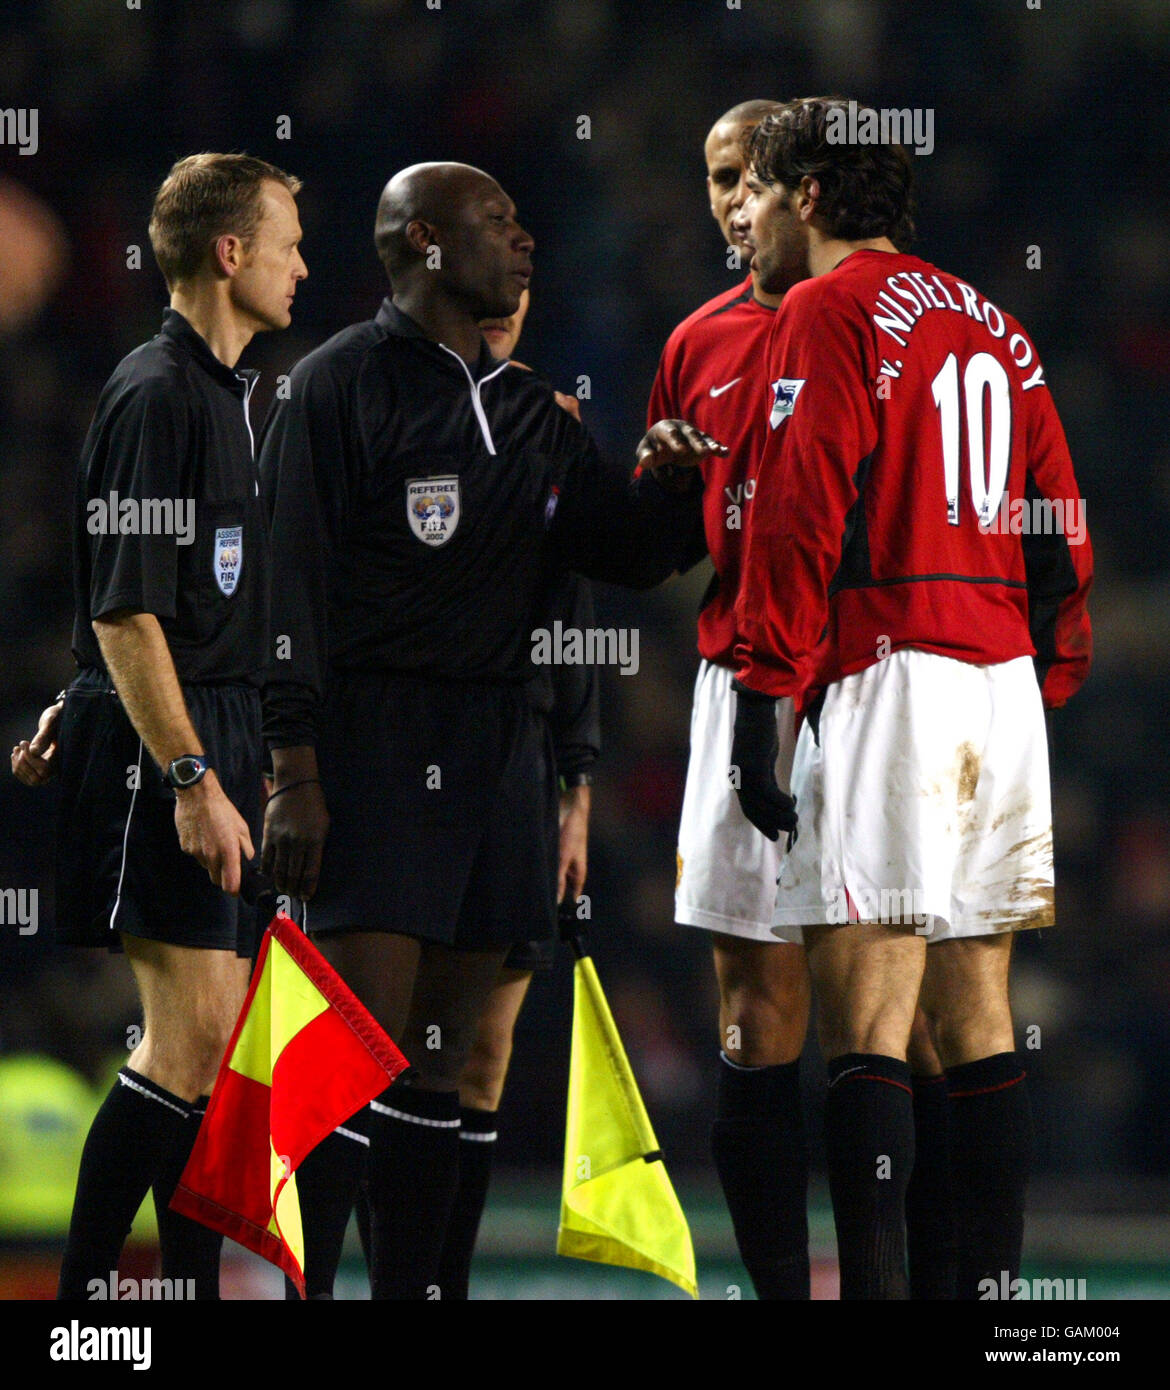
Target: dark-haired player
<point>159,736</point>
<point>885,591</point>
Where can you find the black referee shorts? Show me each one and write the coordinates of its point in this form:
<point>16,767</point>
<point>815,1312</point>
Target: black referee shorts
<point>119,865</point>
<point>532,955</point>
<point>442,801</point>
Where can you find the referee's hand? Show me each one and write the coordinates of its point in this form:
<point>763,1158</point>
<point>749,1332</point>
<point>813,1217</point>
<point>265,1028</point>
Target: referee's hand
<point>755,745</point>
<point>296,824</point>
<point>670,448</point>
<point>213,831</point>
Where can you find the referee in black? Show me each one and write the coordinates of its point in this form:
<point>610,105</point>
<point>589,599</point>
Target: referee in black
<point>421,495</point>
<point>159,745</point>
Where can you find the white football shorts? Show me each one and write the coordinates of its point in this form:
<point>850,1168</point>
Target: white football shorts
<point>928,802</point>
<point>727,870</point>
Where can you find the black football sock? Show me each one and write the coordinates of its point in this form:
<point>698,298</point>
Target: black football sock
<point>190,1250</point>
<point>138,1124</point>
<point>991,1158</point>
<point>327,1183</point>
<point>757,1140</point>
<point>869,1147</point>
<point>930,1222</point>
<point>477,1148</point>
<point>414,1170</point>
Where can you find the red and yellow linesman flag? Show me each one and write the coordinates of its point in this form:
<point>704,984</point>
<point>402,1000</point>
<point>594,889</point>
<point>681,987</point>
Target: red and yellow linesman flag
<point>304,1057</point>
<point>617,1204</point>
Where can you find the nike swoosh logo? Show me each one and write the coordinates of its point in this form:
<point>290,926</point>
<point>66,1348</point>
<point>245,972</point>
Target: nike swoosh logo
<point>719,390</point>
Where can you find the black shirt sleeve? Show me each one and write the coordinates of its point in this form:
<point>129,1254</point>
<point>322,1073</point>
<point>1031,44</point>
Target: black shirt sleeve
<point>304,481</point>
<point>619,529</point>
<point>143,457</point>
<point>575,717</point>
<point>1050,577</point>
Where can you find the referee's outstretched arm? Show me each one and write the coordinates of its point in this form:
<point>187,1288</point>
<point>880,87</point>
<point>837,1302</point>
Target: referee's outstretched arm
<point>634,531</point>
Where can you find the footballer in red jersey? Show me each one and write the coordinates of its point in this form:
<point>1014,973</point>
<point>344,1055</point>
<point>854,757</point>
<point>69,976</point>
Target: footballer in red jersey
<point>727,870</point>
<point>916,573</point>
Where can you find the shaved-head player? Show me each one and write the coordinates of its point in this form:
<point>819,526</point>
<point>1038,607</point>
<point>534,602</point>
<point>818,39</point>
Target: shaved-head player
<point>727,870</point>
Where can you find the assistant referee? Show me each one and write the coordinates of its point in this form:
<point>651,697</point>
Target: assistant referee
<point>159,737</point>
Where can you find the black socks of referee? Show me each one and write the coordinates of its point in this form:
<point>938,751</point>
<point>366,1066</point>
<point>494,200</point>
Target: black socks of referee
<point>757,1140</point>
<point>327,1186</point>
<point>413,1173</point>
<point>869,1148</point>
<point>477,1148</point>
<point>189,1250</point>
<point>991,1158</point>
<point>141,1136</point>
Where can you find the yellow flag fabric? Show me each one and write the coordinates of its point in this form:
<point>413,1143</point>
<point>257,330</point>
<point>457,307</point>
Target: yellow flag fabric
<point>618,1206</point>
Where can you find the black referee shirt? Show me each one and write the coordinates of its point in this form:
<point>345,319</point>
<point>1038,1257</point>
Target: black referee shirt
<point>168,519</point>
<point>569,694</point>
<point>420,508</point>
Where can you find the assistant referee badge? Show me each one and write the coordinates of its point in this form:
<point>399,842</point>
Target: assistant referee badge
<point>432,508</point>
<point>229,558</point>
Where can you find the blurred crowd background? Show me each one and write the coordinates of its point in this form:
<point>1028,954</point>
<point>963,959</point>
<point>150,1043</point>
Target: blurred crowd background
<point>1049,132</point>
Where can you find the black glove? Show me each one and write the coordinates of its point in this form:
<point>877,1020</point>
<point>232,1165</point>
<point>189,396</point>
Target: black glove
<point>754,749</point>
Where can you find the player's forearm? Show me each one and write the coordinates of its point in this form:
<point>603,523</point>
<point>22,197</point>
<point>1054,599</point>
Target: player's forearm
<point>139,661</point>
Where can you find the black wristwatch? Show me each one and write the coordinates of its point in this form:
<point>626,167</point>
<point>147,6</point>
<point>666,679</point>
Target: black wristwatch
<point>186,771</point>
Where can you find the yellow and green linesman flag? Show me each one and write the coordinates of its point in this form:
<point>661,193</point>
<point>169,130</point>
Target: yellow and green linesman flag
<point>617,1205</point>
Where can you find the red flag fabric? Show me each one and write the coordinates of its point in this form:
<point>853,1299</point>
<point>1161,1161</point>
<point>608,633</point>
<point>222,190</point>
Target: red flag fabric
<point>305,1055</point>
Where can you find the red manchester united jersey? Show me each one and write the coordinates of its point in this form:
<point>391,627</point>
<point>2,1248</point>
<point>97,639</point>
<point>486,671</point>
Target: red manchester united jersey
<point>915,488</point>
<point>710,374</point>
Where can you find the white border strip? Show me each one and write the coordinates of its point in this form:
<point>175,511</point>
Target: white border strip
<point>414,1119</point>
<point>151,1095</point>
<point>126,838</point>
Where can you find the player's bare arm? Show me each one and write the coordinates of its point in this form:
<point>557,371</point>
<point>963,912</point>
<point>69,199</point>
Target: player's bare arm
<point>296,822</point>
<point>32,759</point>
<point>139,661</point>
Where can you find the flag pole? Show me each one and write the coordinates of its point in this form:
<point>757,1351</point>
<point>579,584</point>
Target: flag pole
<point>570,931</point>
